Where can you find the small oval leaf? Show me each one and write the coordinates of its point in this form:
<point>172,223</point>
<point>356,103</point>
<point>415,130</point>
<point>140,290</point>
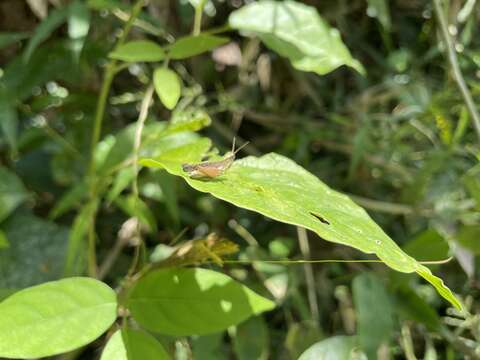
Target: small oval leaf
<point>141,50</point>
<point>128,344</point>
<point>194,45</point>
<point>183,302</point>
<point>168,86</point>
<point>55,317</point>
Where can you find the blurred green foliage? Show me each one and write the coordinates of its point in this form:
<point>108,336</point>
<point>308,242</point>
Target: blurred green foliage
<point>398,139</point>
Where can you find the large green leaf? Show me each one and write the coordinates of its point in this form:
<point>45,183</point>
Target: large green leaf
<point>12,192</point>
<point>183,302</point>
<point>334,348</point>
<point>296,31</point>
<point>55,317</point>
<point>130,344</point>
<point>277,187</point>
<point>373,330</point>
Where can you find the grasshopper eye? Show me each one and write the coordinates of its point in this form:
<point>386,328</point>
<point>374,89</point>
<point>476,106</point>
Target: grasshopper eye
<point>188,167</point>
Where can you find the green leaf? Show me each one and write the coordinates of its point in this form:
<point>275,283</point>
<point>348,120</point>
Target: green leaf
<point>296,31</point>
<point>140,50</point>
<point>3,240</point>
<point>79,20</point>
<point>168,86</point>
<point>135,207</point>
<point>55,317</point>
<point>379,9</point>
<point>69,200</point>
<point>194,45</point>
<point>301,336</point>
<point>130,344</point>
<point>78,24</point>
<point>209,347</point>
<point>413,307</point>
<point>36,252</point>
<point>438,284</point>
<point>374,327</point>
<point>188,120</point>
<point>48,25</point>
<point>8,38</point>
<point>277,187</point>
<point>122,179</point>
<point>336,347</point>
<point>106,5</point>
<point>167,184</point>
<point>429,245</point>
<point>182,302</point>
<point>471,181</point>
<point>251,339</point>
<point>9,123</point>
<point>158,136</point>
<point>468,236</point>
<point>12,192</point>
<point>77,241</point>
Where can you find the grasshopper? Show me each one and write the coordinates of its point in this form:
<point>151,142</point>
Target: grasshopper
<point>212,169</point>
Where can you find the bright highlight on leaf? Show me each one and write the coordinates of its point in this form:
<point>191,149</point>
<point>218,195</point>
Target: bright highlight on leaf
<point>141,50</point>
<point>168,87</point>
<point>277,187</point>
<point>296,31</point>
<point>181,302</point>
<point>55,317</point>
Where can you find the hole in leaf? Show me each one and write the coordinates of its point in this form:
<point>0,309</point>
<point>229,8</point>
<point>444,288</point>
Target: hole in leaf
<point>322,219</point>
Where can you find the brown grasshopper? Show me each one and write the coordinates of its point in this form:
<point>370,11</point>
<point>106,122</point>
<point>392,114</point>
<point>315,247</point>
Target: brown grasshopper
<point>212,169</point>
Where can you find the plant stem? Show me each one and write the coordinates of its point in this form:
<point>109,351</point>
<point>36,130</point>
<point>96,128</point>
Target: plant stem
<point>109,74</point>
<point>407,343</point>
<point>197,22</point>
<point>142,117</point>
<point>309,276</point>
<point>457,73</point>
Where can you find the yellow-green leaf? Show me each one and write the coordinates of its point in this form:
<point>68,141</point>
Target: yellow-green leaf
<point>168,86</point>
<point>141,50</point>
<point>277,187</point>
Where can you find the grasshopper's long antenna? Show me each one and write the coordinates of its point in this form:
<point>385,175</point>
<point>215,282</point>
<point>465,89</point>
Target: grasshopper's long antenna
<point>240,148</point>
